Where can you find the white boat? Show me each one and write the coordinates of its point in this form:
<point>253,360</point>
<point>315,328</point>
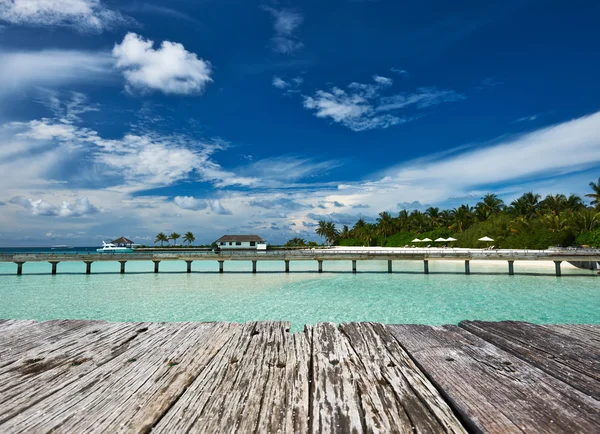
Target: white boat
<point>111,248</point>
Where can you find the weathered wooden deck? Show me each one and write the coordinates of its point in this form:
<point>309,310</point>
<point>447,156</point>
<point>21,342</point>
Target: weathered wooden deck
<point>92,376</point>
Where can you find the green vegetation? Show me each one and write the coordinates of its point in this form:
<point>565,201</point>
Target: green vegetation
<point>528,222</point>
<point>162,238</point>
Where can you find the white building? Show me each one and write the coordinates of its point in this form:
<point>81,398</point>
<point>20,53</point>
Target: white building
<point>241,242</point>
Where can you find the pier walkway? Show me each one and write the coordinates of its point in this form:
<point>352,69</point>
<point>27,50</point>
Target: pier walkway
<point>93,376</point>
<point>319,256</point>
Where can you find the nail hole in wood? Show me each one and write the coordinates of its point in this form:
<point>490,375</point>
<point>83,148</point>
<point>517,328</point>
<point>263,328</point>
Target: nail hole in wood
<point>449,359</point>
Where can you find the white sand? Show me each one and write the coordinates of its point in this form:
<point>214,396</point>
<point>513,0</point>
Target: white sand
<point>536,264</point>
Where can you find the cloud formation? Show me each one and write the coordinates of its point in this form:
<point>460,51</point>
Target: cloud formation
<point>90,16</point>
<point>170,69</point>
<point>285,24</point>
<point>363,106</point>
<point>39,207</point>
<point>23,69</point>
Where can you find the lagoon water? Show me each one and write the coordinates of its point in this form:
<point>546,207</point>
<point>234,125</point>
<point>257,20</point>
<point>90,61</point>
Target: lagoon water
<point>445,296</point>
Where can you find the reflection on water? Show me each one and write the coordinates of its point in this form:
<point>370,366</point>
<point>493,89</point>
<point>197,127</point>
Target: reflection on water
<point>444,296</point>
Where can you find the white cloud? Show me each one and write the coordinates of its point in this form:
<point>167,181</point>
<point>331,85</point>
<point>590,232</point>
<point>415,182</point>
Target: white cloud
<point>39,207</point>
<point>399,71</point>
<point>22,69</point>
<point>217,207</point>
<point>279,83</point>
<point>289,87</point>
<point>360,107</point>
<point>83,15</point>
<point>285,24</point>
<point>170,69</point>
<point>190,203</point>
<point>384,81</point>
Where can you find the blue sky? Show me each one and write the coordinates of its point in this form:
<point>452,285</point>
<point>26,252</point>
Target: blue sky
<point>135,117</point>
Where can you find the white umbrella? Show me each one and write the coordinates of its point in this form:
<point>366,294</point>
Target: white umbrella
<point>487,239</point>
<point>441,240</point>
<point>426,240</point>
<point>450,239</point>
<point>416,240</point>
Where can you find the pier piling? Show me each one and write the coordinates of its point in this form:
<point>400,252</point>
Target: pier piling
<point>189,266</point>
<point>511,268</point>
<point>354,266</point>
<point>426,266</point>
<point>54,264</point>
<point>123,266</point>
<point>221,266</point>
<point>467,267</point>
<point>557,268</point>
<point>320,266</point>
<point>88,267</point>
<point>19,268</point>
<point>156,266</point>
<point>253,267</point>
<point>389,267</point>
<point>287,266</point>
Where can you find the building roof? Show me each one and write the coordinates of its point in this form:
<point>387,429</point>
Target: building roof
<point>122,240</point>
<point>240,238</point>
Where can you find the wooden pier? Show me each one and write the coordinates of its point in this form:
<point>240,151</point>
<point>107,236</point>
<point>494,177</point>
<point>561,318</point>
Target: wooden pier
<point>93,376</point>
<point>426,256</point>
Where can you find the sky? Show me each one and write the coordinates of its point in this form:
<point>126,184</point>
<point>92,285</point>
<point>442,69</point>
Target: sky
<point>135,117</point>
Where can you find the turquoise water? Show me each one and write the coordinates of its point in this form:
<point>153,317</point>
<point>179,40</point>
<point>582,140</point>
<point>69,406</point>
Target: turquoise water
<point>445,296</point>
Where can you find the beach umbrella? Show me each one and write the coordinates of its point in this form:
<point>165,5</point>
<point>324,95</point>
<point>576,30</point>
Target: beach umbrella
<point>441,240</point>
<point>416,240</point>
<point>487,239</point>
<point>426,240</point>
<point>450,239</point>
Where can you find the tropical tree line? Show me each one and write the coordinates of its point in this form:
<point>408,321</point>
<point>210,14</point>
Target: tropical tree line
<point>163,238</point>
<point>529,221</point>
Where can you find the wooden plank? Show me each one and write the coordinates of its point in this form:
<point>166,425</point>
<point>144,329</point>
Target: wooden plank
<point>335,395</point>
<point>395,395</point>
<point>130,391</point>
<point>588,333</point>
<point>285,406</point>
<point>43,371</point>
<point>203,405</point>
<point>493,390</point>
<point>257,383</point>
<point>21,336</point>
<point>565,357</point>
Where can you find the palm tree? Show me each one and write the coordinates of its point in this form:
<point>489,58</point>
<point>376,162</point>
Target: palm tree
<point>418,221</point>
<point>345,233</point>
<point>189,238</point>
<point>574,203</point>
<point>174,236</point>
<point>490,205</point>
<point>367,233</point>
<point>385,224</point>
<point>358,227</point>
<point>526,206</point>
<point>322,229</point>
<point>585,220</point>
<point>434,216</point>
<point>595,195</point>
<point>462,217</point>
<point>554,204</point>
<point>402,221</point>
<point>162,238</point>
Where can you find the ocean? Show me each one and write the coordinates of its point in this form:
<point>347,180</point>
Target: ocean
<point>445,296</point>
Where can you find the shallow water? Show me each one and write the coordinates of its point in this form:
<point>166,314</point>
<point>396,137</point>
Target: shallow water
<point>445,296</point>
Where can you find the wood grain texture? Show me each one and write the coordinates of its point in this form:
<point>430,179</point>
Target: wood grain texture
<point>574,361</point>
<point>96,376</point>
<point>494,390</point>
